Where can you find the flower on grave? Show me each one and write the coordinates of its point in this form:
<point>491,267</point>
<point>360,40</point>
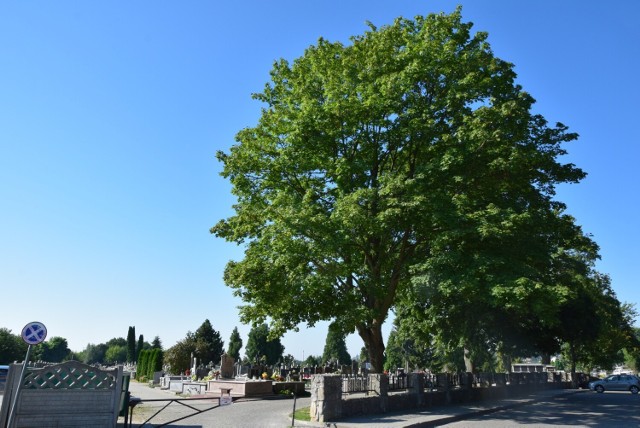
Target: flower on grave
<point>265,375</point>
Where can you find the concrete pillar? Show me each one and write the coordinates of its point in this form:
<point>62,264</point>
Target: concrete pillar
<point>415,387</point>
<point>443,382</point>
<point>379,384</point>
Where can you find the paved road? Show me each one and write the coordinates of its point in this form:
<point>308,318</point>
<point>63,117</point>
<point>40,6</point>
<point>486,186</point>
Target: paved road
<point>244,413</point>
<point>587,409</point>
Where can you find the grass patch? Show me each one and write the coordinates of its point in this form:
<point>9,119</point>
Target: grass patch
<point>303,414</point>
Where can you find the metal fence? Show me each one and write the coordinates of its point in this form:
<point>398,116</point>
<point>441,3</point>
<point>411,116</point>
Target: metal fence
<point>360,383</point>
<point>355,383</point>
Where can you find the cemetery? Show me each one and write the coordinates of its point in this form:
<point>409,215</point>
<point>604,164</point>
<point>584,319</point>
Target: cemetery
<point>239,380</point>
<point>75,393</point>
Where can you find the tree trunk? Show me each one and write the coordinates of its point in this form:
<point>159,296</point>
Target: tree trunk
<point>545,359</point>
<point>506,363</point>
<point>468,361</point>
<point>372,338</point>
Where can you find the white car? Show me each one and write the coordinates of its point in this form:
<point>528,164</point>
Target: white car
<point>621,382</point>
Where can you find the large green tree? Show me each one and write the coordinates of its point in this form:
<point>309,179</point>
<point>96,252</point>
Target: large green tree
<point>94,353</point>
<point>335,347</point>
<point>596,326</point>
<point>398,154</point>
<point>12,347</point>
<point>116,354</point>
<point>157,343</point>
<point>54,350</point>
<point>178,357</point>
<point>209,344</point>
<point>262,348</point>
<point>205,345</point>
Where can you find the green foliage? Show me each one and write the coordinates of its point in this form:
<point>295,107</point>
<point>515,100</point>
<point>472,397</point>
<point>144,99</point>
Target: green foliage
<point>262,348</point>
<point>235,344</point>
<point>395,355</point>
<point>131,345</point>
<point>410,153</point>
<point>209,346</point>
<point>205,344</point>
<point>289,360</point>
<point>335,348</point>
<point>139,346</point>
<point>141,368</point>
<point>632,352</point>
<point>303,414</point>
<point>157,343</point>
<point>178,357</point>
<point>93,354</point>
<point>116,354</point>
<point>149,362</point>
<point>364,355</point>
<point>157,360</point>
<point>117,341</point>
<point>596,327</point>
<point>313,361</point>
<point>53,350</point>
<point>12,347</point>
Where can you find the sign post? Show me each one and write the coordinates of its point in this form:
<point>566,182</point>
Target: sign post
<point>32,334</point>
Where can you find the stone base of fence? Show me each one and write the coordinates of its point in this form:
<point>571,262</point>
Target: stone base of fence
<point>328,405</point>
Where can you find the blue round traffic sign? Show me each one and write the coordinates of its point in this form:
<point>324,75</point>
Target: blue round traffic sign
<point>34,333</point>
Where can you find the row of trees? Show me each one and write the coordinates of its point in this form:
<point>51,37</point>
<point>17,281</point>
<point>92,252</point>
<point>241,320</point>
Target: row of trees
<point>207,347</point>
<point>13,348</point>
<point>406,173</point>
<point>149,361</point>
<point>56,349</point>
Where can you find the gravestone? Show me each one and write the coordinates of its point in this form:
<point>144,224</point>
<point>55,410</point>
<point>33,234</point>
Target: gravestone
<point>226,366</point>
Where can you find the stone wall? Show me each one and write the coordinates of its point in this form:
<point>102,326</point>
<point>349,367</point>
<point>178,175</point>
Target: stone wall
<point>327,404</point>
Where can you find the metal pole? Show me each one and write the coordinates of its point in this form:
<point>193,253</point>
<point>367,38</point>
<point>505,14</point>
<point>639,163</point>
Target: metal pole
<point>293,415</point>
<point>15,399</point>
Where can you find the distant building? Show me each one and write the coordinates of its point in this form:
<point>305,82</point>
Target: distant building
<point>532,368</point>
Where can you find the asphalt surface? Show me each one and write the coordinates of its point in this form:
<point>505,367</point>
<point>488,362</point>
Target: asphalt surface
<point>611,409</point>
<point>276,412</point>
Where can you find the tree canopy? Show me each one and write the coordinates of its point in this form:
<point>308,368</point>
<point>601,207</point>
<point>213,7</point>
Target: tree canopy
<point>406,166</point>
<point>335,348</point>
<point>262,348</point>
<point>12,347</point>
<point>209,345</point>
<point>132,355</point>
<point>205,345</point>
<point>156,343</point>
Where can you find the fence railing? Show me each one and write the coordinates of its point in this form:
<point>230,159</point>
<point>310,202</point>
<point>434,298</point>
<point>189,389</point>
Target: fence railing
<point>355,383</point>
<point>360,383</point>
<point>397,382</point>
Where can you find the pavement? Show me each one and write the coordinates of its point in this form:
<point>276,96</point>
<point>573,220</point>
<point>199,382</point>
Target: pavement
<point>276,412</point>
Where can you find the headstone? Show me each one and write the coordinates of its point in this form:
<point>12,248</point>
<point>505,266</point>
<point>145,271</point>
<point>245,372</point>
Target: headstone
<point>226,366</point>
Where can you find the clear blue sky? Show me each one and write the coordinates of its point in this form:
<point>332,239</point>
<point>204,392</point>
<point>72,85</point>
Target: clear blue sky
<point>111,113</point>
